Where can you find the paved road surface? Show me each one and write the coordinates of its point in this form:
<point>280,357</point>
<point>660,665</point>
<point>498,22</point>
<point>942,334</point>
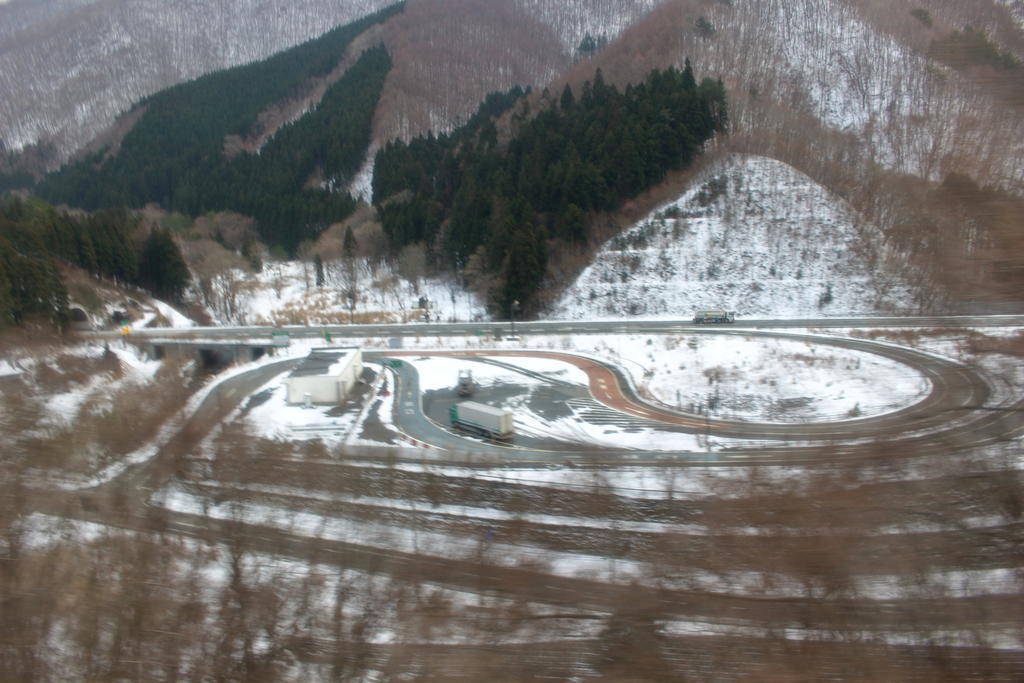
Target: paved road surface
<point>956,403</point>
<point>567,327</point>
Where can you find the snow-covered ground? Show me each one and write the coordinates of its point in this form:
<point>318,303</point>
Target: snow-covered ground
<point>272,417</point>
<point>285,292</point>
<point>760,379</point>
<point>736,377</point>
<point>42,531</point>
<point>1005,370</point>
<point>171,315</point>
<point>1016,9</point>
<point>407,520</point>
<point>861,71</point>
<point>604,569</point>
<point>742,378</point>
<point>753,235</point>
<point>92,389</point>
<point>572,20</point>
<point>699,483</point>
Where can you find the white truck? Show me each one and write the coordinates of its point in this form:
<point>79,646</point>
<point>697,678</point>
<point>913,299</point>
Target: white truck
<point>484,420</point>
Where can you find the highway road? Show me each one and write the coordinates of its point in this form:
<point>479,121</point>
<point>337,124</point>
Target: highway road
<point>956,405</point>
<point>558,327</point>
<point>958,402</point>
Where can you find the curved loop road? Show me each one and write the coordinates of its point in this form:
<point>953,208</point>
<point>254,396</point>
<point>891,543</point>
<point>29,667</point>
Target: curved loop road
<point>956,404</point>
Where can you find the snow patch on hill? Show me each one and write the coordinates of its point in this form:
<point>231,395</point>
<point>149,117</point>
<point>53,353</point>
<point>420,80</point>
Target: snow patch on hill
<point>825,59</point>
<point>1016,10</point>
<point>572,20</point>
<point>752,235</point>
<point>285,293</point>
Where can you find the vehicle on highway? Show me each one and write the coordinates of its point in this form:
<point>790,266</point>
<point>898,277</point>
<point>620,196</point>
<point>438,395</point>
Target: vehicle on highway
<point>465,383</point>
<point>714,317</point>
<point>483,420</point>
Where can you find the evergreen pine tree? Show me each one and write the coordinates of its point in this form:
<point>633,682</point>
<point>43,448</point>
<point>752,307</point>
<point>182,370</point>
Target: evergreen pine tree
<point>567,99</point>
<point>318,267</point>
<point>348,244</point>
<point>572,224</point>
<point>162,269</point>
<point>525,267</point>
<point>7,312</point>
<point>689,82</point>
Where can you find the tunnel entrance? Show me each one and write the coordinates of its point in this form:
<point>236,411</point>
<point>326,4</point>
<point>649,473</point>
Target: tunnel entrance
<point>213,360</point>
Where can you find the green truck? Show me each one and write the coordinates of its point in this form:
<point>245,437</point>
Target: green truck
<point>714,317</point>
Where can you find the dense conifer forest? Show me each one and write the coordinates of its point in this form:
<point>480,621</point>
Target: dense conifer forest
<point>175,154</point>
<point>493,202</point>
<point>469,197</point>
<point>35,239</point>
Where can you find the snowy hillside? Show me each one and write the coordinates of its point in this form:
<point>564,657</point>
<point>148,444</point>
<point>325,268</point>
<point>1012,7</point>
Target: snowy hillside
<point>1016,9</point>
<point>68,68</point>
<point>572,20</point>
<point>863,70</point>
<point>285,293</point>
<point>450,54</point>
<point>754,236</point>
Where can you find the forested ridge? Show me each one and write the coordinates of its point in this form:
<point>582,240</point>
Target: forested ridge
<point>471,198</point>
<point>923,89</point>
<point>36,239</point>
<point>494,205</point>
<point>174,155</point>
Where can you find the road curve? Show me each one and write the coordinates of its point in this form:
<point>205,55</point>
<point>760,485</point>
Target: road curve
<point>956,403</point>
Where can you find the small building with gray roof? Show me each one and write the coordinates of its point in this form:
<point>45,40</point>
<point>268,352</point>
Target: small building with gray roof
<point>327,375</point>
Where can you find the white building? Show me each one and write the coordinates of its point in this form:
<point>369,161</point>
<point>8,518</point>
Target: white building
<point>327,375</point>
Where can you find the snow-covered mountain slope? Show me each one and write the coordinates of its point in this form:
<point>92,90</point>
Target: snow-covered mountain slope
<point>285,293</point>
<point>864,70</point>
<point>751,235</point>
<point>68,67</point>
<point>450,54</point>
<point>1016,10</point>
<point>572,20</point>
